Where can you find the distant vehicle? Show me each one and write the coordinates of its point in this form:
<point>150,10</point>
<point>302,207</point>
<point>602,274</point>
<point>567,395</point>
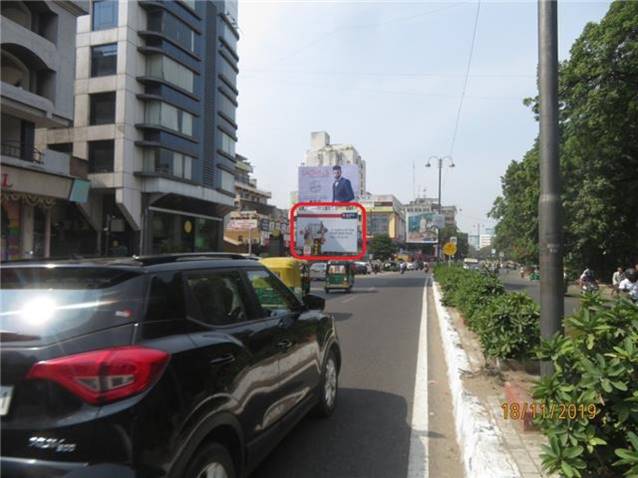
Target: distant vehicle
<point>361,267</point>
<point>412,266</point>
<point>318,271</point>
<point>339,276</point>
<point>471,264</point>
<point>391,266</point>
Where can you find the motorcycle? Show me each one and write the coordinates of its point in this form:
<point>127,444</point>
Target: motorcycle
<point>589,287</point>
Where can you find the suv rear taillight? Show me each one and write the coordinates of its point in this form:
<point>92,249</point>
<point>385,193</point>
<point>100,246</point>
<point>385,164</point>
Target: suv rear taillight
<point>104,375</point>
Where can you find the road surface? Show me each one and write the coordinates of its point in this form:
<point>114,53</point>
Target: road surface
<point>513,282</point>
<point>370,434</point>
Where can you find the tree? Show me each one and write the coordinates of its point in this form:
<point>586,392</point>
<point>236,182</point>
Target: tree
<point>382,247</point>
<point>598,154</point>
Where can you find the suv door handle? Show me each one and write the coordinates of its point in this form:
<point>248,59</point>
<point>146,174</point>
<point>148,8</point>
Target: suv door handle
<point>284,344</point>
<point>222,359</point>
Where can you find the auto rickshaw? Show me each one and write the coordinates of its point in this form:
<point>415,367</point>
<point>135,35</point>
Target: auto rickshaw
<point>294,273</point>
<point>339,275</point>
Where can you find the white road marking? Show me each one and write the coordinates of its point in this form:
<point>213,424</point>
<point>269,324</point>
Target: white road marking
<point>348,299</point>
<point>418,461</point>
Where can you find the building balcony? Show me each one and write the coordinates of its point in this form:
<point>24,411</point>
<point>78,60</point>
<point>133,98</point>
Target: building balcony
<point>18,150</point>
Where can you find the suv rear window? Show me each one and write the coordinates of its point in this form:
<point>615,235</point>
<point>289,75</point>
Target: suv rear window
<point>44,304</point>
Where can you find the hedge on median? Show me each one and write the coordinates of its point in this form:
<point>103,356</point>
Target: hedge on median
<point>507,324</point>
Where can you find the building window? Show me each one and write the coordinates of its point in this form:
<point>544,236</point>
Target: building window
<point>101,155</point>
<point>104,14</point>
<point>102,108</point>
<point>168,162</point>
<point>227,181</point>
<point>169,116</point>
<point>104,60</point>
<point>173,28</point>
<point>169,70</point>
<point>228,35</point>
<point>227,69</point>
<point>227,144</point>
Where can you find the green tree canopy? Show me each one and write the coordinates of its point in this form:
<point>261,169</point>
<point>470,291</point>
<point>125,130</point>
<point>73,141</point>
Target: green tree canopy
<point>382,247</point>
<point>598,91</point>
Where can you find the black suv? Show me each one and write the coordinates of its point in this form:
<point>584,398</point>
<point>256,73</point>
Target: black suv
<point>165,366</point>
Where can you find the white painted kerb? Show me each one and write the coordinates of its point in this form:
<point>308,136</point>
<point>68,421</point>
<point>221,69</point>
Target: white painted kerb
<point>480,441</point>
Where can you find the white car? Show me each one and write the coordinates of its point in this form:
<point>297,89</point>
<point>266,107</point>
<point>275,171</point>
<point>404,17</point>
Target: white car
<point>318,271</point>
<point>412,266</point>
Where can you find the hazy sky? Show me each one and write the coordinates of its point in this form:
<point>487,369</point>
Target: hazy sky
<point>387,77</point>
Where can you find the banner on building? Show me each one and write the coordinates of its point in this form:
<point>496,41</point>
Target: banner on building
<point>324,184</point>
<point>422,227</point>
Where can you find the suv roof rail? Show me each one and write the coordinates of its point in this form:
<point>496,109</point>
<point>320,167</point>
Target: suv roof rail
<point>188,256</point>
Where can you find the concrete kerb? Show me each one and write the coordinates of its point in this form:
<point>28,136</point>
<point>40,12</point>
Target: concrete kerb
<point>481,443</point>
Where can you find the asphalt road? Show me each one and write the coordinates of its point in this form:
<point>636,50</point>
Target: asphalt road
<point>369,435</point>
<point>513,282</point>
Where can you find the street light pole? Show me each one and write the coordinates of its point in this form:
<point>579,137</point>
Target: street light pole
<point>439,160</point>
<point>549,205</point>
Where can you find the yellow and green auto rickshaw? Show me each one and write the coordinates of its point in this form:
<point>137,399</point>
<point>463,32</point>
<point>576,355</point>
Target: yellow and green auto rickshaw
<point>292,272</point>
<point>339,275</point>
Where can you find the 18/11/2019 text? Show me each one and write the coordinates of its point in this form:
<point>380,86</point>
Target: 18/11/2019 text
<point>556,411</point>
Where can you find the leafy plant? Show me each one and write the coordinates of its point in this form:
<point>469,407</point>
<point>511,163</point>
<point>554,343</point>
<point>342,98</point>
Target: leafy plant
<point>595,365</point>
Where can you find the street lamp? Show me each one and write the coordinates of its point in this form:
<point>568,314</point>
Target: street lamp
<point>440,160</point>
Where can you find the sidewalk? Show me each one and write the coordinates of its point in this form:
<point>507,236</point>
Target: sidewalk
<point>517,450</point>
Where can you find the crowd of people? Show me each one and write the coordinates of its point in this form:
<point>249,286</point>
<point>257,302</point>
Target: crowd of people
<point>623,281</point>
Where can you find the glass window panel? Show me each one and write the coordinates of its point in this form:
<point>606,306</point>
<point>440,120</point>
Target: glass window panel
<point>227,144</point>
<point>274,298</point>
<point>102,108</point>
<point>101,156</point>
<point>188,167</point>
<point>187,123</point>
<point>169,117</point>
<point>153,113</point>
<point>165,163</point>
<point>104,60</point>
<point>218,298</point>
<point>227,181</point>
<point>178,170</point>
<point>104,14</point>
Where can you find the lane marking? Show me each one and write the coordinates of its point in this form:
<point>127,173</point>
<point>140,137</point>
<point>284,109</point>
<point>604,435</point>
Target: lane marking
<point>418,460</point>
<point>348,299</point>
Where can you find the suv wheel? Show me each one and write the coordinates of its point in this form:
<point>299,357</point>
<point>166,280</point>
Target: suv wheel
<point>211,461</point>
<point>328,388</point>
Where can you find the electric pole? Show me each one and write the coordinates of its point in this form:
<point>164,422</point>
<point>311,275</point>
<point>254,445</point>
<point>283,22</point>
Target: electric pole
<point>440,166</point>
<point>549,206</point>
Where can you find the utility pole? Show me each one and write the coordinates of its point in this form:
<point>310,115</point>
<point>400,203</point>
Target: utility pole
<point>549,206</point>
<point>440,166</point>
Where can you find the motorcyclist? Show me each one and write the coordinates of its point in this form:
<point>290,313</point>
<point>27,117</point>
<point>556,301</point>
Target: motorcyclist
<point>629,284</point>
<point>402,266</point>
<point>587,276</point>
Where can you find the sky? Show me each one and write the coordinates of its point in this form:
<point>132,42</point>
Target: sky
<point>388,78</point>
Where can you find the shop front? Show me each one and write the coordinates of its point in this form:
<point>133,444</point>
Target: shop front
<point>175,231</point>
<point>31,201</point>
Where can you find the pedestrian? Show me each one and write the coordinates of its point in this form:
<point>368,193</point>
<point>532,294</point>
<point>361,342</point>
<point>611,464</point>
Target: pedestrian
<point>616,279</point>
<point>428,276</point>
<point>522,272</point>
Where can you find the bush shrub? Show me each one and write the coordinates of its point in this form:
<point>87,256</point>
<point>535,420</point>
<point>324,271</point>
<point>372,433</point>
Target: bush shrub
<point>596,364</point>
<point>507,324</point>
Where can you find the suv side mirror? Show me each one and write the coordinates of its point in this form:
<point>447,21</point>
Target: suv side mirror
<point>314,302</point>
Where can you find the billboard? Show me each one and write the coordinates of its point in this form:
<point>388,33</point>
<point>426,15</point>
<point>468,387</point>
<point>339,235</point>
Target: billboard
<point>422,227</point>
<point>337,232</point>
<point>323,184</point>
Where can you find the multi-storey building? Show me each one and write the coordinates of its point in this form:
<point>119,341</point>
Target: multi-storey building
<point>322,153</point>
<point>40,186</point>
<point>385,215</point>
<point>155,100</point>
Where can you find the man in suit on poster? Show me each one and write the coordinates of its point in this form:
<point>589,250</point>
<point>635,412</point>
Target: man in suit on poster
<point>341,188</point>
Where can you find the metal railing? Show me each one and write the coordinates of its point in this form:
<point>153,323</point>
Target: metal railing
<point>16,149</point>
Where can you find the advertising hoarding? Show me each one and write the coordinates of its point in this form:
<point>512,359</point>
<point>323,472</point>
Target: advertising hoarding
<point>319,184</point>
<point>337,231</point>
<point>421,227</point>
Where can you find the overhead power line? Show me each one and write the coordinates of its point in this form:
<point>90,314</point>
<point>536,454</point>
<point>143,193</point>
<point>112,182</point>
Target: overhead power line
<point>467,76</point>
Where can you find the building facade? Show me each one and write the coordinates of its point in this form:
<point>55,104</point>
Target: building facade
<point>322,153</point>
<point>155,101</point>
<point>41,187</point>
<point>385,215</point>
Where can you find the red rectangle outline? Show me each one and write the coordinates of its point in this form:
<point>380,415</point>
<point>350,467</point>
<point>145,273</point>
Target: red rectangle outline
<point>364,231</point>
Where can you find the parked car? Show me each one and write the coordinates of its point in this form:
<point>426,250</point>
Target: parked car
<point>184,365</point>
<point>318,271</point>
